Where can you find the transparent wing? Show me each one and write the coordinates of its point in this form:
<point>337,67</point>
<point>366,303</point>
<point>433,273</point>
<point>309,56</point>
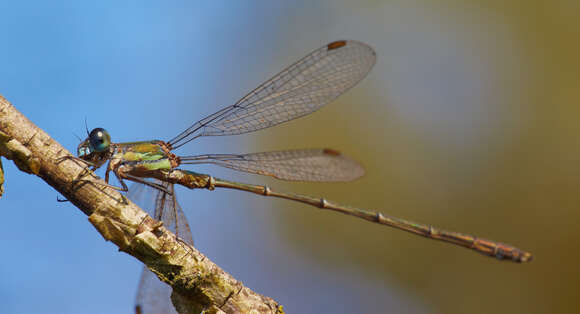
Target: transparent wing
<point>294,165</point>
<point>162,206</point>
<point>299,90</point>
<point>153,295</point>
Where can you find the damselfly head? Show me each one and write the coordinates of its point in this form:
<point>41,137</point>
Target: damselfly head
<point>98,141</point>
<point>95,148</point>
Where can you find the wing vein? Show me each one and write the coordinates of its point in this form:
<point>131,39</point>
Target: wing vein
<point>299,90</point>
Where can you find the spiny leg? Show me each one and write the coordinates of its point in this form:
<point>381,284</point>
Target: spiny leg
<point>93,166</point>
<point>143,181</point>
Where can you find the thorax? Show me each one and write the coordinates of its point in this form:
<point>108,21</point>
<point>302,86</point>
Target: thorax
<point>143,156</point>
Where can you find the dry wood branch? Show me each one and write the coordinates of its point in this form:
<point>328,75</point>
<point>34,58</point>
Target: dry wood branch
<point>198,283</point>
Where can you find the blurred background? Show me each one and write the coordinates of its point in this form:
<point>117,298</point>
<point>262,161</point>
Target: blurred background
<point>468,122</point>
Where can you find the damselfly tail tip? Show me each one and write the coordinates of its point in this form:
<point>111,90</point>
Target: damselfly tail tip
<point>513,254</point>
<point>526,257</point>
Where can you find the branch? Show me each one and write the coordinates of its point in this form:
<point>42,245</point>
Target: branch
<point>198,284</point>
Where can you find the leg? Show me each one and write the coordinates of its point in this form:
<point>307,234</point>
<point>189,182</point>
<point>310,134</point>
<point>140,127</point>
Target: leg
<point>143,181</point>
<point>86,162</point>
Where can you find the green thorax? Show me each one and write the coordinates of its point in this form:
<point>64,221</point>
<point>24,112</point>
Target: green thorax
<point>147,155</point>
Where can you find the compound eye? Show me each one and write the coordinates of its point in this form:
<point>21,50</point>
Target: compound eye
<point>99,140</point>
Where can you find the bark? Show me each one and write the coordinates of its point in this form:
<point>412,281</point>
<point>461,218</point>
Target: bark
<point>197,282</point>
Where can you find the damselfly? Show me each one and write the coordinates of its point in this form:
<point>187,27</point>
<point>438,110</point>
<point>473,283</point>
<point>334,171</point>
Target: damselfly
<point>297,91</point>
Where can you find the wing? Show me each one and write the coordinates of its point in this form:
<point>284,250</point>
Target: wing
<point>163,207</point>
<point>295,165</point>
<point>153,295</point>
<point>300,89</point>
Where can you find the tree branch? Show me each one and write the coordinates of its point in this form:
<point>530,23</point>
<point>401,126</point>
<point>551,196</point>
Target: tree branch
<point>198,284</point>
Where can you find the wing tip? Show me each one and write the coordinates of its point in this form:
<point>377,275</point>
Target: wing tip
<point>342,43</point>
<point>357,170</point>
